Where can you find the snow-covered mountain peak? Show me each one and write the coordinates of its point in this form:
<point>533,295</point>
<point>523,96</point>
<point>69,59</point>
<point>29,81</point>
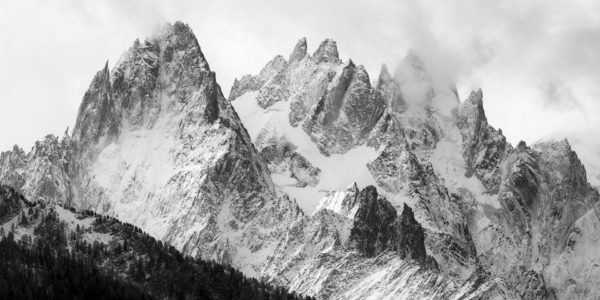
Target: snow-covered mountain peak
<point>179,36</point>
<point>156,144</point>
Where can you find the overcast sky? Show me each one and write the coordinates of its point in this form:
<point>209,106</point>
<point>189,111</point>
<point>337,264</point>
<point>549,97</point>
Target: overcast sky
<point>536,61</point>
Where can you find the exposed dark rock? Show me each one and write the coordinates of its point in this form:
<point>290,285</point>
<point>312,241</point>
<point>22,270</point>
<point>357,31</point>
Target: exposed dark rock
<point>484,146</point>
<point>520,188</point>
<point>372,230</point>
<point>363,106</point>
<point>377,228</point>
<point>408,239</point>
<point>346,113</point>
<point>97,115</point>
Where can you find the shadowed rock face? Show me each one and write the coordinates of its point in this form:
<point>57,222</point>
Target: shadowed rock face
<point>377,228</point>
<point>408,240</point>
<point>520,189</point>
<point>484,147</point>
<point>373,221</point>
<point>97,115</point>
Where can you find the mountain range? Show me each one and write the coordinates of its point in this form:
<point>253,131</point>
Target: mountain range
<point>315,177</point>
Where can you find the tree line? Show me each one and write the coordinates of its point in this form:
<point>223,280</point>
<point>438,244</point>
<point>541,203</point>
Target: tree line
<point>62,263</point>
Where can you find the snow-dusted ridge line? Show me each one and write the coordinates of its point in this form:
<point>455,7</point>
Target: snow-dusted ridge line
<point>158,145</point>
<point>443,144</point>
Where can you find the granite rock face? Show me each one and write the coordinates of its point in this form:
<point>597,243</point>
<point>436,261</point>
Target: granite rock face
<point>484,147</point>
<point>409,239</point>
<point>378,227</point>
<point>345,115</point>
<point>98,116</point>
<point>396,168</point>
<point>372,231</point>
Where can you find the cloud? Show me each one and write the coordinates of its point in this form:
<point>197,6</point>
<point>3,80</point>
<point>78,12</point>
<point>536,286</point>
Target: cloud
<point>558,95</point>
<point>535,60</point>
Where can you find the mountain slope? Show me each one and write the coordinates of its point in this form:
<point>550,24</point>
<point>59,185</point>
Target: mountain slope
<point>82,254</point>
<point>496,218</point>
<point>156,144</point>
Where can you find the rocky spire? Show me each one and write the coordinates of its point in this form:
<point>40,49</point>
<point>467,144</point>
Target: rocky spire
<point>299,51</point>
<point>104,75</point>
<point>371,230</point>
<point>327,52</point>
<point>476,100</point>
<point>180,37</point>
<point>407,217</point>
<point>97,115</point>
<point>377,228</point>
<point>409,239</point>
<point>484,147</point>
